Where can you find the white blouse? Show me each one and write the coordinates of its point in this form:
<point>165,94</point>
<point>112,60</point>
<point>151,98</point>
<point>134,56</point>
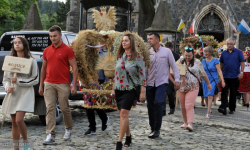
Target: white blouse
<point>247,67</point>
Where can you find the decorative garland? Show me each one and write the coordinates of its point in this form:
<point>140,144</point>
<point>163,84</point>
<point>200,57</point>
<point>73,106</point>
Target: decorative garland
<point>198,43</point>
<point>88,61</point>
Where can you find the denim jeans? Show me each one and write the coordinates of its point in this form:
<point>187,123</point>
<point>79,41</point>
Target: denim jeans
<point>155,104</point>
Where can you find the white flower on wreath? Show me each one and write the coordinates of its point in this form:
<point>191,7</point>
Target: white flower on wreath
<point>198,51</point>
<point>107,32</point>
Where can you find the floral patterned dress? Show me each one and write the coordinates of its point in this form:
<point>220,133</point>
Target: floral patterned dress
<point>129,73</point>
<point>188,81</point>
<point>244,86</point>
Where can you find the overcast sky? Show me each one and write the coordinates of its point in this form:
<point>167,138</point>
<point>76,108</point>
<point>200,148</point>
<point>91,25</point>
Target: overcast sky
<point>60,0</point>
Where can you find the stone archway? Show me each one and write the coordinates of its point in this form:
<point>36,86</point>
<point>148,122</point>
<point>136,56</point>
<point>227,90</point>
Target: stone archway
<point>219,11</point>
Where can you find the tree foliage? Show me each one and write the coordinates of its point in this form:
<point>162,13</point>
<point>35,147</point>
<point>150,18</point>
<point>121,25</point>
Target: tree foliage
<point>53,13</point>
<point>14,12</point>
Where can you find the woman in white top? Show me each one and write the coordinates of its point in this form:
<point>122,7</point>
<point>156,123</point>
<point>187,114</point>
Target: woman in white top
<point>244,86</point>
<point>23,97</point>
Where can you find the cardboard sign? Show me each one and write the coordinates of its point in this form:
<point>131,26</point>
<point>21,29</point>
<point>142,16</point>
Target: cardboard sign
<point>17,65</point>
<point>182,69</point>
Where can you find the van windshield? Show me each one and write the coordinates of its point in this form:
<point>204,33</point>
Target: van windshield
<point>37,42</point>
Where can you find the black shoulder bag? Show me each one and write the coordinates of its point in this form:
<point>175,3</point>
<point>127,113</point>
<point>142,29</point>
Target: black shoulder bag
<point>216,84</point>
<point>137,87</point>
<point>200,85</point>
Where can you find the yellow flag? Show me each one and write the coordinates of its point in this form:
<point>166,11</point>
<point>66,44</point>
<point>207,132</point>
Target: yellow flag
<point>181,25</point>
<point>160,37</point>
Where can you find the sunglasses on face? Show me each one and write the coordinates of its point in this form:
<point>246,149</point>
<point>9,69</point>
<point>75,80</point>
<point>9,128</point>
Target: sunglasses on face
<point>188,48</point>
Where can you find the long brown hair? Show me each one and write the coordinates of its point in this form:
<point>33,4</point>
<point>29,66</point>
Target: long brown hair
<point>26,48</point>
<point>121,50</point>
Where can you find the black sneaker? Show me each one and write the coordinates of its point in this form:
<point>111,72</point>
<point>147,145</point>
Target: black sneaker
<point>155,135</point>
<point>171,112</point>
<point>89,132</point>
<point>105,124</point>
<point>164,113</point>
<point>151,133</point>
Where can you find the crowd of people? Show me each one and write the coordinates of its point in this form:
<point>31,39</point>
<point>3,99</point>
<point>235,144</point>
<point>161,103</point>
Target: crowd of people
<point>153,82</point>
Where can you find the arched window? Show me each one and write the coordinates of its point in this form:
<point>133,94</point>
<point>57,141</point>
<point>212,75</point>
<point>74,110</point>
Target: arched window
<point>211,22</point>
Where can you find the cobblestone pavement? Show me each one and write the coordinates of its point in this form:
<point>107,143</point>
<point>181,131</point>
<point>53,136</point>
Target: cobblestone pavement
<point>219,132</point>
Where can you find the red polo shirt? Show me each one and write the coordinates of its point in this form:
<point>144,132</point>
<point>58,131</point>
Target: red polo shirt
<point>57,70</point>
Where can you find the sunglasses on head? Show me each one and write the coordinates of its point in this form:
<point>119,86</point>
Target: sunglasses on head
<point>188,48</point>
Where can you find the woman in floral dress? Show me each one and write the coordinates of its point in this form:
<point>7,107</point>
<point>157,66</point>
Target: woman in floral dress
<point>129,74</point>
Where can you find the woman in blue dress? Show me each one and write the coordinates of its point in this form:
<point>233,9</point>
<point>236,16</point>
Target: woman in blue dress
<point>212,67</point>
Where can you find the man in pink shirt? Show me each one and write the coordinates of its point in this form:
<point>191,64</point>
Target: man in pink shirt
<point>157,75</point>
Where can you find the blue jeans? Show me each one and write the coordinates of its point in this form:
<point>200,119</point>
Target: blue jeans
<point>155,104</point>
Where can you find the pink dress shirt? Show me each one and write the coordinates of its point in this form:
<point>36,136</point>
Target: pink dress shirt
<point>157,72</point>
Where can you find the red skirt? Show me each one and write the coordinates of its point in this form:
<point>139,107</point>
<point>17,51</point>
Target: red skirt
<point>220,86</point>
<point>244,86</point>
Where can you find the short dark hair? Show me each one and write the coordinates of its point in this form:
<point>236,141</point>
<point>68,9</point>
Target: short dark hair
<point>55,28</point>
<point>169,44</point>
<point>157,36</point>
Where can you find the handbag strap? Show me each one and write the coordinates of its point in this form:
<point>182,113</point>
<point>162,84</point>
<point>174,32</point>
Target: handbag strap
<point>192,73</point>
<point>210,72</point>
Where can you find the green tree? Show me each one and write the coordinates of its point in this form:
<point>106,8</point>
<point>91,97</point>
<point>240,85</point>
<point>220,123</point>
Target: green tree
<point>13,13</point>
<point>61,12</point>
<point>4,7</point>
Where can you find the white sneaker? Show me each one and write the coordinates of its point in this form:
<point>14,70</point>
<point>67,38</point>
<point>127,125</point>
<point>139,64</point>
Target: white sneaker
<point>207,116</point>
<point>50,140</point>
<point>67,135</point>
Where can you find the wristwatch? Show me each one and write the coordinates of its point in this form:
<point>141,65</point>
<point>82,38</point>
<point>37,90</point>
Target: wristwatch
<point>241,72</point>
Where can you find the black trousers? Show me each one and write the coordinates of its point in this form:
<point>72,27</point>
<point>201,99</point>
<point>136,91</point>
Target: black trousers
<point>170,95</point>
<point>91,117</point>
<point>233,84</point>
<point>91,114</point>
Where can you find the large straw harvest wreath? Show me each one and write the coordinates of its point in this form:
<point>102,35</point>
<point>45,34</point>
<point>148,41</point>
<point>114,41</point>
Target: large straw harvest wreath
<point>86,48</point>
<point>199,43</point>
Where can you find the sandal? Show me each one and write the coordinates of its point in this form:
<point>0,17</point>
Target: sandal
<point>184,125</point>
<point>128,141</point>
<point>189,128</point>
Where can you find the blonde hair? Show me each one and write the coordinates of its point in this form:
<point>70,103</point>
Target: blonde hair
<point>209,49</point>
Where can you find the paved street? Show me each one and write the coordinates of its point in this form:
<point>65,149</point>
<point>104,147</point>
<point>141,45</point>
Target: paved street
<point>219,132</point>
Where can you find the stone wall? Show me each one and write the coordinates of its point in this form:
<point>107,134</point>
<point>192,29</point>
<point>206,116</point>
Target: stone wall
<point>180,9</point>
<point>73,17</point>
<point>190,9</point>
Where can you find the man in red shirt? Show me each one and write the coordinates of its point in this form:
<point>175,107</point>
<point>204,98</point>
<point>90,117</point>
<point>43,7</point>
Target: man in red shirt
<point>55,75</point>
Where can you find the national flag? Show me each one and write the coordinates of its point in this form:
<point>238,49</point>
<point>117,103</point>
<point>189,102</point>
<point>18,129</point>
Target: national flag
<point>181,25</point>
<point>232,27</point>
<point>191,29</point>
<point>243,27</point>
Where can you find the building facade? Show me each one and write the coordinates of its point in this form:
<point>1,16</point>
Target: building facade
<point>211,17</point>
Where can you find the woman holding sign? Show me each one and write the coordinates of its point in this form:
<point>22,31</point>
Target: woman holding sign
<point>189,87</point>
<point>22,98</point>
